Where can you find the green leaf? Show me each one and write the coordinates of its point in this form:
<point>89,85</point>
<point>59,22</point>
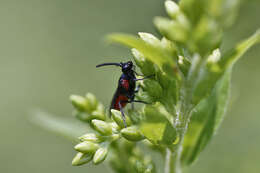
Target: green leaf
<point>205,120</point>
<point>156,127</point>
<point>216,66</point>
<point>146,66</point>
<point>170,91</point>
<point>154,53</point>
<point>231,56</point>
<point>66,127</point>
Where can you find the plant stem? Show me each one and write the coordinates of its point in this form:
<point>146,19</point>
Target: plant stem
<point>181,122</point>
<point>172,162</point>
<point>169,162</point>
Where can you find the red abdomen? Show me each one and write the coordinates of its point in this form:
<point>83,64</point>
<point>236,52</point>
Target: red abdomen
<point>121,98</point>
<point>125,83</point>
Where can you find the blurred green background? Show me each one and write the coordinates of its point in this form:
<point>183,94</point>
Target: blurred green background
<point>49,49</point>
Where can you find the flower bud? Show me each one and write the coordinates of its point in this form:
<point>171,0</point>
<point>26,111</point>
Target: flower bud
<point>91,102</point>
<point>81,159</point>
<point>117,117</point>
<point>102,127</point>
<point>115,127</point>
<point>78,102</point>
<point>114,137</point>
<point>83,116</point>
<point>91,137</point>
<point>98,115</point>
<point>184,65</point>
<point>175,30</point>
<point>86,147</point>
<point>132,134</point>
<point>100,155</point>
<point>172,8</point>
<point>100,109</point>
<point>213,60</point>
<point>149,38</point>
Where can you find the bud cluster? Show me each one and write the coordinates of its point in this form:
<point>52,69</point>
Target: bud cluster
<point>127,153</point>
<point>87,108</point>
<point>94,146</point>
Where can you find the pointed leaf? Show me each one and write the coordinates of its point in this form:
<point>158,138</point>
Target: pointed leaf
<point>216,67</point>
<point>205,120</point>
<point>68,128</point>
<point>154,53</point>
<point>157,128</point>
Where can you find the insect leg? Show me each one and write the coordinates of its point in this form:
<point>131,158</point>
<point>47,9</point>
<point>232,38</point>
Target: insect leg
<point>138,74</point>
<point>137,88</point>
<point>139,101</point>
<point>132,106</point>
<point>122,112</point>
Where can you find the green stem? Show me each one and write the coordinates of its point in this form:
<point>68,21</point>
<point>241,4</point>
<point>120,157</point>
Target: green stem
<point>169,161</point>
<point>172,161</point>
<point>183,115</point>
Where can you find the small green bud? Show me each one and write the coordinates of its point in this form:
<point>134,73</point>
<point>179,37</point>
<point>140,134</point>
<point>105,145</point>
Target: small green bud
<point>86,147</point>
<point>117,117</point>
<point>81,159</point>
<point>83,116</point>
<point>175,31</point>
<point>115,137</point>
<point>168,45</point>
<point>100,155</point>
<point>100,108</point>
<point>91,137</point>
<point>91,102</point>
<point>184,64</point>
<point>213,60</point>
<point>132,134</point>
<point>115,127</point>
<point>172,8</point>
<point>98,115</point>
<point>102,127</point>
<point>149,38</point>
<point>78,102</point>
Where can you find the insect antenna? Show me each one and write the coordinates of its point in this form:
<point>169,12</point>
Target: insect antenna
<point>105,64</point>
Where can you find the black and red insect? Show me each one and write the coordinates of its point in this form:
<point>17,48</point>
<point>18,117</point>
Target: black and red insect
<point>126,90</point>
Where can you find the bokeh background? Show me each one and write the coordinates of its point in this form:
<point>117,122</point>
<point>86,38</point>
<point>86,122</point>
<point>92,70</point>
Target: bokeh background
<point>49,49</point>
